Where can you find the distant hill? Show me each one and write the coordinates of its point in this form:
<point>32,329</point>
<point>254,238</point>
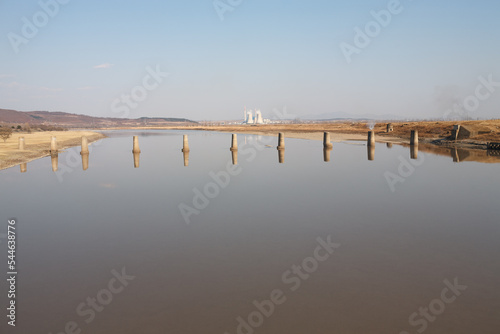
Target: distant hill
<point>83,121</point>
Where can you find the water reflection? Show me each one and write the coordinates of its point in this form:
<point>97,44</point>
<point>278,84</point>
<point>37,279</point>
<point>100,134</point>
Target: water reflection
<point>136,159</point>
<point>389,145</point>
<point>371,152</point>
<point>460,154</point>
<point>85,161</point>
<point>281,156</point>
<point>493,153</point>
<point>24,167</point>
<point>326,154</point>
<point>414,152</point>
<point>54,157</point>
<point>234,156</point>
<point>259,213</point>
<point>185,155</point>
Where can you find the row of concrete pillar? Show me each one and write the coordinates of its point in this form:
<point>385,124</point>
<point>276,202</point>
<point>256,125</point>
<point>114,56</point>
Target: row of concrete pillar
<point>413,137</point>
<point>54,153</point>
<point>234,155</point>
<point>53,145</point>
<point>234,142</point>
<point>327,147</point>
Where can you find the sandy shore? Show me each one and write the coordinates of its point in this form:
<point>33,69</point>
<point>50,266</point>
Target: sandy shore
<point>37,145</point>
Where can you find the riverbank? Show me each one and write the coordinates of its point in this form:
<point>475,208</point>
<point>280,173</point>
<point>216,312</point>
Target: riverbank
<point>432,132</point>
<point>37,145</point>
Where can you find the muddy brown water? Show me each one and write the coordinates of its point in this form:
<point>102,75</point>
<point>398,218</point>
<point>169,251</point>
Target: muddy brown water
<point>389,245</point>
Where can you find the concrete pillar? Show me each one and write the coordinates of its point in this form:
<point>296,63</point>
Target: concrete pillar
<point>136,148</point>
<point>371,138</point>
<point>24,167</point>
<point>326,154</point>
<point>455,132</point>
<point>414,137</point>
<point>54,157</point>
<point>390,128</point>
<point>85,161</point>
<point>53,145</point>
<point>371,153</point>
<point>185,144</point>
<point>389,145</point>
<point>326,140</point>
<point>281,156</point>
<point>414,152</point>
<point>137,156</point>
<point>186,158</point>
<point>234,156</point>
<point>21,144</point>
<point>85,146</point>
<point>234,142</point>
<point>281,141</point>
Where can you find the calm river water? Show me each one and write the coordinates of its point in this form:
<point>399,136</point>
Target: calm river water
<point>390,245</point>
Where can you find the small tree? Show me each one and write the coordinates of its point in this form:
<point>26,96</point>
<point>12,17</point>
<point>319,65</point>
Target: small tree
<point>19,127</point>
<point>5,133</point>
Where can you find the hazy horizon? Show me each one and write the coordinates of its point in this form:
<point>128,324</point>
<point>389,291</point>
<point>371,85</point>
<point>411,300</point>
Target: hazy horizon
<point>413,59</point>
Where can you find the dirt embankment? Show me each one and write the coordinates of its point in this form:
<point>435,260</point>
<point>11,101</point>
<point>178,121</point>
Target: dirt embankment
<point>37,145</point>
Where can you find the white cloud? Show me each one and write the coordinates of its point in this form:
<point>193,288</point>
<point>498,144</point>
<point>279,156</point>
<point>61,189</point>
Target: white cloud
<point>105,65</point>
<point>14,85</point>
<point>17,87</point>
<point>51,89</point>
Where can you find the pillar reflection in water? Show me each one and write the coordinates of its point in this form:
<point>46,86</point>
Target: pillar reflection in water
<point>281,156</point>
<point>85,160</point>
<point>136,159</point>
<point>54,157</point>
<point>24,167</point>
<point>185,155</point>
<point>371,152</point>
<point>455,155</point>
<point>326,153</point>
<point>389,145</point>
<point>414,152</point>
<point>281,147</point>
<point>234,156</point>
<point>234,149</point>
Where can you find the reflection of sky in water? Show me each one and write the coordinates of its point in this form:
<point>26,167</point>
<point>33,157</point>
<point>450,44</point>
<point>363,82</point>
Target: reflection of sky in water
<point>397,247</point>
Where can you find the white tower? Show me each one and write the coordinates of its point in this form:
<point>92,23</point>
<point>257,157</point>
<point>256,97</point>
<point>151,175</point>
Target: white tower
<point>249,118</point>
<point>258,117</point>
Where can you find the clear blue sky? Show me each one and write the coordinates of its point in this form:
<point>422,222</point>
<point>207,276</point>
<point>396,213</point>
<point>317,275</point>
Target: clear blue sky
<point>264,54</point>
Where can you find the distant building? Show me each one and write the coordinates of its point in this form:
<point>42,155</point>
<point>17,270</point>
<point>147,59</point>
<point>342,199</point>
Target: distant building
<point>258,117</point>
<point>249,117</point>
